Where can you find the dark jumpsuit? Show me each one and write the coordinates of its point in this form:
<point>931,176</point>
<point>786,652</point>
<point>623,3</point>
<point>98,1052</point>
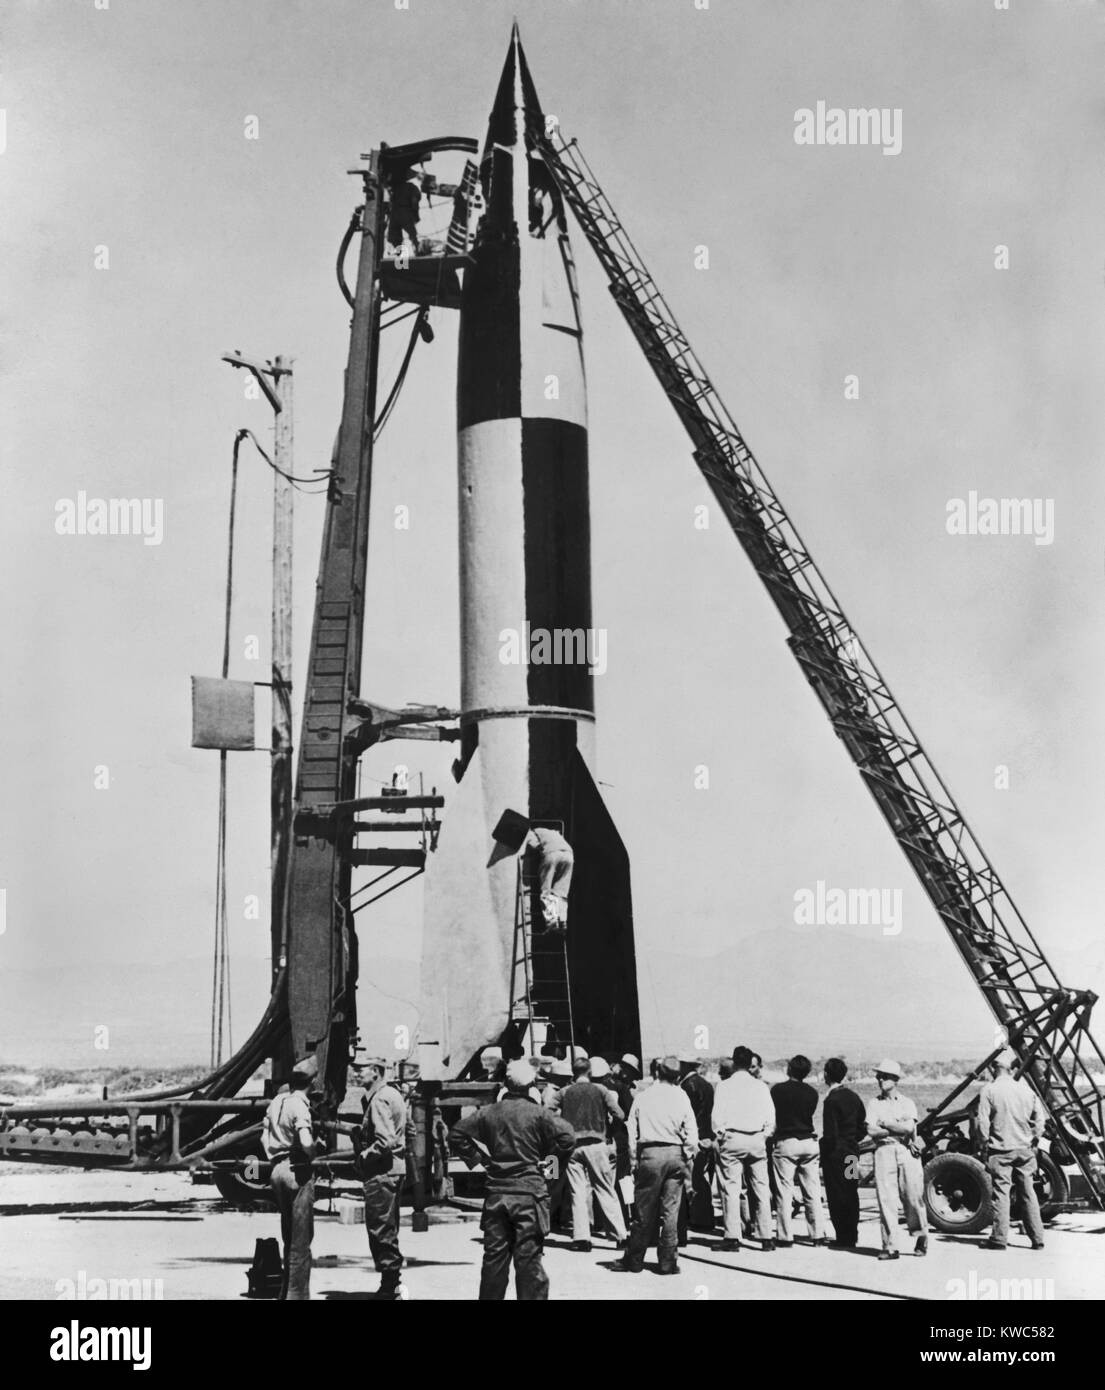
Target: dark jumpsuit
<point>510,1138</point>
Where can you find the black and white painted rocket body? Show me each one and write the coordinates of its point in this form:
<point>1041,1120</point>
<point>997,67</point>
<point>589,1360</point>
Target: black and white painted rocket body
<point>527,632</point>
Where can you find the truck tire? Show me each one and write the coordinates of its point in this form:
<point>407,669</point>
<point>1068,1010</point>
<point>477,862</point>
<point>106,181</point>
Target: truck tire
<point>958,1194</point>
<point>240,1191</point>
<point>1052,1187</point>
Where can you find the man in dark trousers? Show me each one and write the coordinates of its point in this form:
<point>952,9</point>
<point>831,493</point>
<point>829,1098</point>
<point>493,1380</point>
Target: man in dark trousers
<point>383,1160</point>
<point>697,1210</point>
<point>512,1138</point>
<point>1011,1121</point>
<point>288,1141</point>
<point>406,194</point>
<point>624,1075</point>
<point>663,1139</point>
<point>843,1125</point>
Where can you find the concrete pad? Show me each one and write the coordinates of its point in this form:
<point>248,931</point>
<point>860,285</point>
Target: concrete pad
<point>62,1230</point>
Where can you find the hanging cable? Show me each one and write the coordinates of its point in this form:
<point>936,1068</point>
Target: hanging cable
<point>221,1019</point>
<point>354,223</point>
<point>321,481</point>
<point>417,332</point>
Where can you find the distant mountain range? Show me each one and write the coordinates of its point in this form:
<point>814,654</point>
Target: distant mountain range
<point>818,991</point>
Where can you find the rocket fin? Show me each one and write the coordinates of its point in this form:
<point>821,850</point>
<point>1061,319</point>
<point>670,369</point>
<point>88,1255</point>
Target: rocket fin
<point>468,925</point>
<point>601,956</point>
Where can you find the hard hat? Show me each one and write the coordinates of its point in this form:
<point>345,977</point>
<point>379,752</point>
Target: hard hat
<point>546,1062</point>
<point>628,1060</point>
<point>520,1075</point>
<point>491,1054</point>
<point>379,1062</point>
<point>690,1059</point>
<point>579,1054</point>
<point>562,1067</point>
<point>599,1068</point>
<point>889,1068</point>
<point>669,1065</point>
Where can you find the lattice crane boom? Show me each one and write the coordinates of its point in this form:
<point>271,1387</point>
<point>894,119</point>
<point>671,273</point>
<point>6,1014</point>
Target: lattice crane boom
<point>1045,1023</point>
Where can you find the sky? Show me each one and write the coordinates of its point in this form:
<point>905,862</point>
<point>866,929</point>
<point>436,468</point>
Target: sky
<point>125,129</point>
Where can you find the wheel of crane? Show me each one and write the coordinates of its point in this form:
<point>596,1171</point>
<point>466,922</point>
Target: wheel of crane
<point>240,1190</point>
<point>958,1194</point>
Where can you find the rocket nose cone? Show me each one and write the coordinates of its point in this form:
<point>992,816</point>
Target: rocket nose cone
<point>516,108</point>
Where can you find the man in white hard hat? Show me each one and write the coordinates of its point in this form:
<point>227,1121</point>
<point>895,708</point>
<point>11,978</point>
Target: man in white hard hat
<point>892,1124</point>
<point>1011,1120</point>
<point>557,1076</point>
<point>491,1063</point>
<point>512,1138</point>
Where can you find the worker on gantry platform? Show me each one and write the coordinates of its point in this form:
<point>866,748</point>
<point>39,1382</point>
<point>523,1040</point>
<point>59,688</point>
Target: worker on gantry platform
<point>406,194</point>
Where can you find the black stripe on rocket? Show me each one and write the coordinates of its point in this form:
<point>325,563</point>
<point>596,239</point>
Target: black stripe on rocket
<point>558,596</point>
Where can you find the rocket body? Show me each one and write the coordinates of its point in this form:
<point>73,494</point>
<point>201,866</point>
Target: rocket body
<point>525,539</point>
<point>527,636</point>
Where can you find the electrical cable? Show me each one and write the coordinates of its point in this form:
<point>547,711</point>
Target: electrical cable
<point>354,223</point>
<point>317,483</point>
<point>393,395</point>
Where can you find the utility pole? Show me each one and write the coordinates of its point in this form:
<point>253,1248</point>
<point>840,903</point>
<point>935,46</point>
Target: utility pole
<point>275,381</point>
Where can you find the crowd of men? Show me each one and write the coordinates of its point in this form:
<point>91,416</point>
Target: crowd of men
<point>562,1138</point>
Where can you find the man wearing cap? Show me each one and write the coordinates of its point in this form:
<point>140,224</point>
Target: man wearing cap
<point>289,1144</point>
<point>663,1139</point>
<point>512,1138</point>
<point>624,1075</point>
<point>892,1124</point>
<point>698,1209</point>
<point>1011,1120</point>
<point>383,1160</point>
<point>627,1068</point>
<point>492,1064</point>
<point>557,1076</point>
<point>588,1108</point>
<point>744,1120</point>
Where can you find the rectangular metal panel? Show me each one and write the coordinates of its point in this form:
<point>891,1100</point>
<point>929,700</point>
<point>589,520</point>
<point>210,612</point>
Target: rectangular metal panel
<point>222,713</point>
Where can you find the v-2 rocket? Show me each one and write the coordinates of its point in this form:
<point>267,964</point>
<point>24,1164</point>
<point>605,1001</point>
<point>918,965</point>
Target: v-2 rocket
<point>527,634</point>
